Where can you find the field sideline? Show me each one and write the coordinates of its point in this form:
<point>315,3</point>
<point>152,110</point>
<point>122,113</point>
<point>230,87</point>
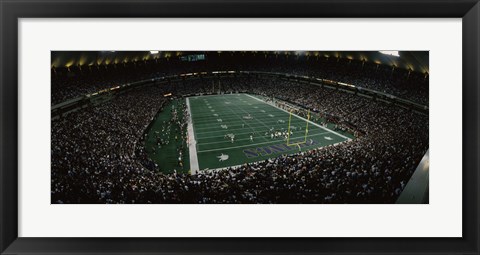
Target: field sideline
<point>215,119</point>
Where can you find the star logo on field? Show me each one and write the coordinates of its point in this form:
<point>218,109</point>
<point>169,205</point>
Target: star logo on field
<point>223,157</point>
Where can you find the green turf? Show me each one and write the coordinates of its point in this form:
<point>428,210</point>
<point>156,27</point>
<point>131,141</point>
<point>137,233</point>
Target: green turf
<point>166,156</point>
<point>217,115</point>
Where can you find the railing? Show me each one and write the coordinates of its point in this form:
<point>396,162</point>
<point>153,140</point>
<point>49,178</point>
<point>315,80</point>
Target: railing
<point>416,190</point>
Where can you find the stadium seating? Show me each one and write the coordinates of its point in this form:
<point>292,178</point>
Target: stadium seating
<point>77,81</point>
<point>98,157</point>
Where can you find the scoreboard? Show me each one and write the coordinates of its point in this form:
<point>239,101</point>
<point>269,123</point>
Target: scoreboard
<point>192,58</point>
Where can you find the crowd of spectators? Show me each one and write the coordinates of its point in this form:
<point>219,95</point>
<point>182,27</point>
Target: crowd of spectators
<point>94,148</point>
<point>96,157</point>
<point>74,81</point>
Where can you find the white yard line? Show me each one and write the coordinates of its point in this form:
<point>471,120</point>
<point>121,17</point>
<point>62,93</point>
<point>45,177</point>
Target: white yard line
<point>242,146</point>
<point>236,119</point>
<point>229,123</point>
<point>210,114</point>
<point>223,132</point>
<point>233,130</point>
<point>260,122</point>
<point>216,95</point>
<point>192,143</point>
<point>309,121</point>
<point>237,166</point>
<point>246,139</point>
<point>240,117</point>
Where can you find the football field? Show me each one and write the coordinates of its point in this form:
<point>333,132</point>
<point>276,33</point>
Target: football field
<point>232,129</point>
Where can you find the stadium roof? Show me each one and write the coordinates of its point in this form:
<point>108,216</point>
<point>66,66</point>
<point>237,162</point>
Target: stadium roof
<point>417,61</point>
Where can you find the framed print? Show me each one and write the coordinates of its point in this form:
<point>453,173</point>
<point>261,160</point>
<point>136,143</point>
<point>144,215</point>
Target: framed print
<point>225,127</point>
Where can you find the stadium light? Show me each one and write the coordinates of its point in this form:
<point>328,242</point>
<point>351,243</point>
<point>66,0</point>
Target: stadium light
<point>391,52</point>
<point>154,52</point>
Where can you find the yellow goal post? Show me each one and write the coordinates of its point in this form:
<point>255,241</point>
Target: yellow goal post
<point>306,129</point>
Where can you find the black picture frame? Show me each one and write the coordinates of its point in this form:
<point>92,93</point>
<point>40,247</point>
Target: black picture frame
<point>11,11</point>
